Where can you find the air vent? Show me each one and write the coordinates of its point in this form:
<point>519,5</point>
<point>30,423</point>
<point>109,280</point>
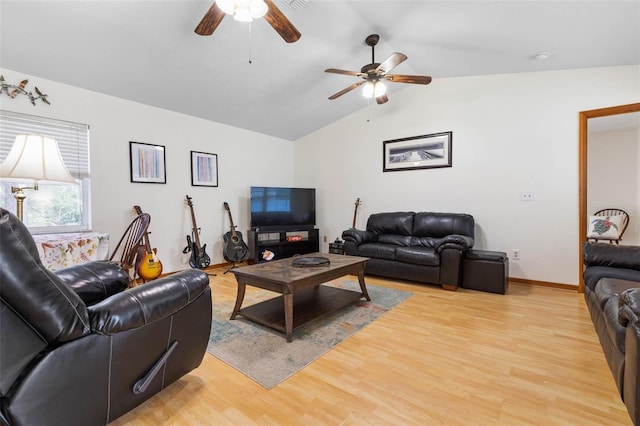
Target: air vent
<point>294,5</point>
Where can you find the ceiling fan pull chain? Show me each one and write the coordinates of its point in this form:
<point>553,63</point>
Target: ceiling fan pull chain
<point>250,61</point>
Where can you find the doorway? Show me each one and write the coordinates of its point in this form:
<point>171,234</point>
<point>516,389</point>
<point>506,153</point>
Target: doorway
<point>584,117</point>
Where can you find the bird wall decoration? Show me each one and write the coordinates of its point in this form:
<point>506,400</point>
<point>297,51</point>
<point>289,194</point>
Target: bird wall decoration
<point>13,90</point>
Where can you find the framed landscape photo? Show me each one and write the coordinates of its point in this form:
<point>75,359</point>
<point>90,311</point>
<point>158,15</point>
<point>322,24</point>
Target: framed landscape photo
<point>417,152</point>
<point>147,163</point>
<point>204,169</point>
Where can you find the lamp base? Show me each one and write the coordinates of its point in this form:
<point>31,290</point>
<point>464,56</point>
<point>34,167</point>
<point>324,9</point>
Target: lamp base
<point>19,195</point>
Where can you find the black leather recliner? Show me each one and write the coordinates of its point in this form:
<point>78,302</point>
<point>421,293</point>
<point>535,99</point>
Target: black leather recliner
<point>77,348</point>
<point>424,247</point>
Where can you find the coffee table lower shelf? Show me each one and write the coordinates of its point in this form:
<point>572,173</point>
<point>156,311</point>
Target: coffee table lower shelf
<point>308,305</point>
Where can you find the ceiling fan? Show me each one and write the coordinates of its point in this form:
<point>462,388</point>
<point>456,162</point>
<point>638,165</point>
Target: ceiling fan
<point>374,73</point>
<point>246,11</point>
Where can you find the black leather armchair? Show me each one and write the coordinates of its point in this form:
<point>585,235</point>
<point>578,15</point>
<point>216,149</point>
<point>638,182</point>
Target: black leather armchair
<point>424,247</point>
<point>77,348</point>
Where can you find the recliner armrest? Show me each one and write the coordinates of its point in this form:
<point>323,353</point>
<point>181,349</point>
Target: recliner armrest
<point>454,241</point>
<point>629,307</point>
<point>148,302</point>
<point>601,254</point>
<point>95,281</point>
<point>358,236</point>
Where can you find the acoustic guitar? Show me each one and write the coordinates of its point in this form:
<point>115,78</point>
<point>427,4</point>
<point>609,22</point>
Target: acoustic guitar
<point>199,259</point>
<point>149,266</point>
<point>235,249</point>
<point>355,213</point>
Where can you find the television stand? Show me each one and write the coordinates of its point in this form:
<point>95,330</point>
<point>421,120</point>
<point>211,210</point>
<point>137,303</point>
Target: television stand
<point>282,243</point>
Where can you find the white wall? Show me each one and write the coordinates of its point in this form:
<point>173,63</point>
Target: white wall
<point>511,133</point>
<point>614,176</point>
<point>244,159</point>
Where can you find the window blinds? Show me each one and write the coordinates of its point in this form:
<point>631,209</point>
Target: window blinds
<point>72,138</point>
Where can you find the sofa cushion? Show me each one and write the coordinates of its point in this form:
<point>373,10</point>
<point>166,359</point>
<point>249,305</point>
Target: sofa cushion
<point>609,287</point>
<point>425,242</point>
<point>612,255</point>
<point>396,223</point>
<point>398,240</point>
<point>377,251</point>
<point>438,225</point>
<point>418,255</point>
<point>593,274</point>
<point>615,331</point>
<point>53,309</point>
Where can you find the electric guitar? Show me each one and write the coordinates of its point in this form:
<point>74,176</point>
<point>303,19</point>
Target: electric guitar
<point>149,266</point>
<point>235,250</point>
<point>355,212</point>
<point>199,258</point>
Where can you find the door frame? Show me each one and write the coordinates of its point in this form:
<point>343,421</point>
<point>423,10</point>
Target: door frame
<point>583,133</point>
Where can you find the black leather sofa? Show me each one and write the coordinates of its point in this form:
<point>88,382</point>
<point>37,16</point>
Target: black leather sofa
<point>78,348</point>
<point>423,247</point>
<point>612,293</point>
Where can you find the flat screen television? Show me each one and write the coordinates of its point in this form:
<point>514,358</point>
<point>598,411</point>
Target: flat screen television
<point>282,208</point>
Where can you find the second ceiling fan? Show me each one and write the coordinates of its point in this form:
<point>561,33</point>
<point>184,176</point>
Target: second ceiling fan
<point>374,73</point>
<point>247,10</point>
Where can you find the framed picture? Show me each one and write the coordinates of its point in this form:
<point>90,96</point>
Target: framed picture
<point>148,163</point>
<point>204,169</point>
<point>417,152</point>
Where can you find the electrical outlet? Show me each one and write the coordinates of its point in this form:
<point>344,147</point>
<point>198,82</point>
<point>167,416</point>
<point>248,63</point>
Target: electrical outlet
<point>325,238</point>
<point>515,254</point>
<point>527,196</point>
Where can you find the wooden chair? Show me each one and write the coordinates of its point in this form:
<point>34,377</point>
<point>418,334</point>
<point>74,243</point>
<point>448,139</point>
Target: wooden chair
<point>610,213</point>
<point>126,251</point>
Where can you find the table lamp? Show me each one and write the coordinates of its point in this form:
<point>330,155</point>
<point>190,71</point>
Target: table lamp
<point>34,157</point>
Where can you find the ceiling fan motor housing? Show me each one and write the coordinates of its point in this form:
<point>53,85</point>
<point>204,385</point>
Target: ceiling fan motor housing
<point>369,68</point>
<point>372,40</point>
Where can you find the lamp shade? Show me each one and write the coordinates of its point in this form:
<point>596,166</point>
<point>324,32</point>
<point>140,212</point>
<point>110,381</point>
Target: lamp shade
<point>35,157</point>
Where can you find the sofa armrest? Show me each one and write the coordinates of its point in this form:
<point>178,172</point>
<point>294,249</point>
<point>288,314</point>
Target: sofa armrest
<point>95,281</point>
<point>629,307</point>
<point>601,254</point>
<point>148,302</point>
<point>629,317</point>
<point>454,241</point>
<point>358,236</point>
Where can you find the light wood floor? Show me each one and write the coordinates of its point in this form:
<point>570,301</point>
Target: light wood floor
<point>530,357</point>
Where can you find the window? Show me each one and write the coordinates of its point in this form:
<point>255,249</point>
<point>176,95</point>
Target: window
<point>53,207</point>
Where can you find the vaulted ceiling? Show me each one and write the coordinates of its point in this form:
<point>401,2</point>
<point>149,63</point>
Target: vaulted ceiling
<point>246,76</point>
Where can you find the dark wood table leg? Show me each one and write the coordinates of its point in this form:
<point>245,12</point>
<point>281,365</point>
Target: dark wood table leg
<point>363,287</point>
<point>288,315</point>
<point>239,299</point>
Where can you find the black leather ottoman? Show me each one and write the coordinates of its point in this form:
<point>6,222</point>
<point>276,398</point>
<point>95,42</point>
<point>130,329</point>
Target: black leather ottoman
<point>486,271</point>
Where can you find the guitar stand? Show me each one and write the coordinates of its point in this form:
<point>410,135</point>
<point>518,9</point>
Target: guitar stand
<point>233,266</point>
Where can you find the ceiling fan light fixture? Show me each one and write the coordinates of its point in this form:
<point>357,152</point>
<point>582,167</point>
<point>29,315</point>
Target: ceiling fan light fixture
<point>368,89</point>
<point>258,8</point>
<point>243,14</point>
<point>227,6</point>
<point>243,10</point>
<point>373,89</point>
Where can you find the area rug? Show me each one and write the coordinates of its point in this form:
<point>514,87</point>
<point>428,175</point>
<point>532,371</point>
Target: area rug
<point>264,354</point>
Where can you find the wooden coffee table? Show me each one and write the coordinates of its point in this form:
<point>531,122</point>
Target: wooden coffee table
<point>300,288</point>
